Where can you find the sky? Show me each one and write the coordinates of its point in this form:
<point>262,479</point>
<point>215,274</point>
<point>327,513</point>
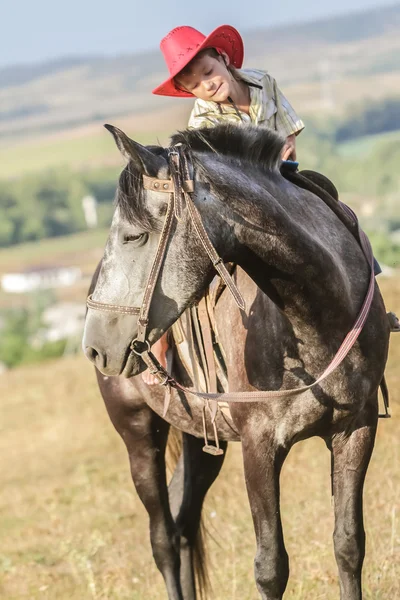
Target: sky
<point>36,30</point>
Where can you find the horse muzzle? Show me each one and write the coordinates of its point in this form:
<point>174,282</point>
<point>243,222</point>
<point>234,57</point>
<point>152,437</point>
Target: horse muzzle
<point>106,343</point>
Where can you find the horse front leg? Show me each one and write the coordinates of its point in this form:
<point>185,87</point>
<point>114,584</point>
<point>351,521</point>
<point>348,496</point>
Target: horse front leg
<point>351,453</point>
<point>263,459</point>
<point>145,435</point>
<point>147,462</point>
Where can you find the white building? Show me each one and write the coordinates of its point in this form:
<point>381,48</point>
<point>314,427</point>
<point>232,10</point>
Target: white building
<point>40,278</point>
<point>63,321</point>
<point>89,205</point>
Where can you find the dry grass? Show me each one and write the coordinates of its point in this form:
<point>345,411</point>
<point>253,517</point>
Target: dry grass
<point>73,528</point>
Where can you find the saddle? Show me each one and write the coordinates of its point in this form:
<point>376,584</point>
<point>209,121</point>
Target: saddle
<point>196,342</point>
<point>313,180</point>
<point>310,180</point>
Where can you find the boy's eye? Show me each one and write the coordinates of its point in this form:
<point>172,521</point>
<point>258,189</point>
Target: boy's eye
<point>209,72</point>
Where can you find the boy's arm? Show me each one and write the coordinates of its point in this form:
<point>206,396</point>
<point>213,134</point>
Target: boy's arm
<point>288,123</point>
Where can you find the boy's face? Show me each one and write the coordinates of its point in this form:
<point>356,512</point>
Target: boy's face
<point>207,78</point>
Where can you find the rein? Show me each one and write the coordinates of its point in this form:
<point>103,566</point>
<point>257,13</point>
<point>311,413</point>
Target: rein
<point>180,187</point>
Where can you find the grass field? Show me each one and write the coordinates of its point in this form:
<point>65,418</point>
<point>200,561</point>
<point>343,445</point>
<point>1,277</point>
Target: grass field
<point>75,249</point>
<point>38,155</point>
<point>86,146</point>
<point>72,527</point>
<point>363,146</point>
<point>93,149</point>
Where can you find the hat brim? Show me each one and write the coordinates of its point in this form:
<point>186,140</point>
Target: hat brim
<point>225,38</point>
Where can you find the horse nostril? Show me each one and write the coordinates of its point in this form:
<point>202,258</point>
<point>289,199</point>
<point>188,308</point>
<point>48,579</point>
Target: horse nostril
<point>94,356</point>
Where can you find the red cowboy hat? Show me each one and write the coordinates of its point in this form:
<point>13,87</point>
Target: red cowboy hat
<point>182,44</point>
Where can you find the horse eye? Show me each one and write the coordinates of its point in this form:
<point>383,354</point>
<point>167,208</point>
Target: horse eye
<point>138,239</point>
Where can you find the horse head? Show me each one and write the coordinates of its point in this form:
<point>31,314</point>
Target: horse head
<point>136,232</point>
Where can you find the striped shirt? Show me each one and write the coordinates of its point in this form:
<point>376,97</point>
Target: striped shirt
<point>268,107</point>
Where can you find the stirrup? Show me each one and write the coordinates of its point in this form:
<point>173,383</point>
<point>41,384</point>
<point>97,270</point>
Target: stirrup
<point>213,450</point>
<point>393,322</point>
<point>208,448</point>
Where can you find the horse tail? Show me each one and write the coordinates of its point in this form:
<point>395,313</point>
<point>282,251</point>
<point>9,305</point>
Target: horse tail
<point>174,449</point>
<point>202,579</point>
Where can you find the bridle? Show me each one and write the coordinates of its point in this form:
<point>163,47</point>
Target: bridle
<point>180,187</point>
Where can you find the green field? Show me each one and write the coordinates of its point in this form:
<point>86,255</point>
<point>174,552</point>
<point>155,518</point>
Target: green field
<point>86,150</point>
<point>73,528</point>
<point>363,146</point>
<point>75,249</point>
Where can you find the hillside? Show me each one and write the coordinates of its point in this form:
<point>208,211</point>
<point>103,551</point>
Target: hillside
<point>322,66</point>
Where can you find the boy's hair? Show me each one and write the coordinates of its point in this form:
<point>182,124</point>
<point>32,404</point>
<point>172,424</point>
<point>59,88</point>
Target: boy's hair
<point>206,52</point>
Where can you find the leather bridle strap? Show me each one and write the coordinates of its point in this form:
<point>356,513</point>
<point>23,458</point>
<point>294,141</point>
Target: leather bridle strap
<point>176,174</point>
<point>114,308</point>
<point>154,273</point>
<point>143,311</point>
<point>207,245</point>
<point>175,206</point>
<point>209,248</point>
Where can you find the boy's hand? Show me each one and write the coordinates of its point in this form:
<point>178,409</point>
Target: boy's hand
<point>159,349</point>
<point>289,149</point>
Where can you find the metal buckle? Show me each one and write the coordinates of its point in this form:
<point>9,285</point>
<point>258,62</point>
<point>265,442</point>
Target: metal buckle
<point>146,349</point>
<point>165,380</point>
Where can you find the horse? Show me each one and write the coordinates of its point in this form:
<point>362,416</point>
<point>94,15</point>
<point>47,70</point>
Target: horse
<point>303,254</point>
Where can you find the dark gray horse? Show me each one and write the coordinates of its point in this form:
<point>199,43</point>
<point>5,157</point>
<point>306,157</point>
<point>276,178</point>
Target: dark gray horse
<point>305,258</point>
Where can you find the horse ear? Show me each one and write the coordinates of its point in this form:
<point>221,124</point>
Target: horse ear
<point>145,160</point>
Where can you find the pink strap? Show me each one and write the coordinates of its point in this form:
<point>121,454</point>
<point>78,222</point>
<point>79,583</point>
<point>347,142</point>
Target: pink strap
<point>341,354</point>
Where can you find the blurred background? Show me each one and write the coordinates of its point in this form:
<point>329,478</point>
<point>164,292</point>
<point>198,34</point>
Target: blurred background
<point>72,525</point>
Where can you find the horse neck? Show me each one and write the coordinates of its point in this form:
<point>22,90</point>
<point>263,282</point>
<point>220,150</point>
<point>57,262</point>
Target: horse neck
<point>290,257</point>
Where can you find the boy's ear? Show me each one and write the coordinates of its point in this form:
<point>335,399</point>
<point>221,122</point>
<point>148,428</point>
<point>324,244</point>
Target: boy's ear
<point>225,58</point>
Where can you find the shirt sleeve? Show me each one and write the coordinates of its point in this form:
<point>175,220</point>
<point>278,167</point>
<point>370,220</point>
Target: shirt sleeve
<point>287,121</point>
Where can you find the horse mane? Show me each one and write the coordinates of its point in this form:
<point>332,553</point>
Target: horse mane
<point>258,146</point>
<point>253,145</point>
<point>130,196</point>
